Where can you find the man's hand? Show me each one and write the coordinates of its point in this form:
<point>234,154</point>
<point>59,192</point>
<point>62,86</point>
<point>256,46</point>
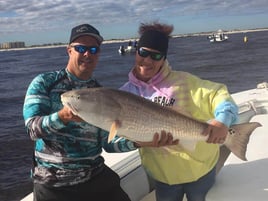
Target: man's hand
<point>164,139</point>
<point>217,132</point>
<point>66,115</point>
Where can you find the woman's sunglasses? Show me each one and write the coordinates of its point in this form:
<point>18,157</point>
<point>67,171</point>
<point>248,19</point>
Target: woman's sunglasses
<point>82,49</point>
<point>154,55</point>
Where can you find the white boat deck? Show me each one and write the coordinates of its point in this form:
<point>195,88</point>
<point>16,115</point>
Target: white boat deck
<point>245,180</point>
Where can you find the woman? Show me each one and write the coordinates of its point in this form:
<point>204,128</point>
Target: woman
<point>181,172</point>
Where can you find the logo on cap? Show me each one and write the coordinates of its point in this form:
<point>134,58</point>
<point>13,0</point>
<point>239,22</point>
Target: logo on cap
<point>82,29</point>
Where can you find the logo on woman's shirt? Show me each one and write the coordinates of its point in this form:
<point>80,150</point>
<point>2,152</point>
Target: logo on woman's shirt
<point>164,101</point>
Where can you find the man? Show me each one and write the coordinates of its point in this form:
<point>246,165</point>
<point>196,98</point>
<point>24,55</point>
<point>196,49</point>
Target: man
<point>67,161</point>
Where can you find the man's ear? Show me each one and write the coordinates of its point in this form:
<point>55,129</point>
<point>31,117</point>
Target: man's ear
<point>68,49</point>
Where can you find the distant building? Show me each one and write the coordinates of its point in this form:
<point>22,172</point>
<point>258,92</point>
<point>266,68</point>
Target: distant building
<point>9,45</point>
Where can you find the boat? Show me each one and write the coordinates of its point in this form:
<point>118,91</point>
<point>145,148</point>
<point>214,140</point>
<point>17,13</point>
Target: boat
<point>245,39</point>
<point>236,179</point>
<point>129,49</point>
<point>219,36</point>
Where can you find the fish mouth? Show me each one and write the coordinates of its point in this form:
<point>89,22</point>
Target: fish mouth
<point>69,105</point>
<point>74,110</point>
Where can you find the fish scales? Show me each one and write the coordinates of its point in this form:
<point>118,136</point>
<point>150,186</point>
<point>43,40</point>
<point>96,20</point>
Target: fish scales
<point>141,118</point>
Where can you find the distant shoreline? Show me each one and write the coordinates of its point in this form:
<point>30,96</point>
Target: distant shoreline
<point>126,40</point>
<point>193,34</point>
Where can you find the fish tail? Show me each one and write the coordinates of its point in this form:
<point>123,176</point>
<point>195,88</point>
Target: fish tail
<point>238,138</point>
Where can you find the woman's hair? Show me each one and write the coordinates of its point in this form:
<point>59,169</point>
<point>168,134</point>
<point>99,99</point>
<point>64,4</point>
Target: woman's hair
<point>156,26</point>
<point>155,36</point>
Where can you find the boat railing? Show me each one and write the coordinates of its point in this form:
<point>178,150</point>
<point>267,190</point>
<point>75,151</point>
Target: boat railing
<point>252,108</point>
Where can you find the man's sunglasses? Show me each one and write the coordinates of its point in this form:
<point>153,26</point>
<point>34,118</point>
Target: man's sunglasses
<point>82,49</point>
<point>154,55</point>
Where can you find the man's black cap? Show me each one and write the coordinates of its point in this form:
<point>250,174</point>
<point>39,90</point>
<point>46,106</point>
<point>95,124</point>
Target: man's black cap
<point>83,30</point>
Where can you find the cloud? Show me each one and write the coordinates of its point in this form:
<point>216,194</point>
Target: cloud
<point>55,15</point>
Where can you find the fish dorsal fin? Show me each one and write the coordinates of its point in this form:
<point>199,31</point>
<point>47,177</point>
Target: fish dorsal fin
<point>113,130</point>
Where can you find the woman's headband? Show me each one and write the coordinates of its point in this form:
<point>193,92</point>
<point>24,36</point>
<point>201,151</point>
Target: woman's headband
<point>155,40</point>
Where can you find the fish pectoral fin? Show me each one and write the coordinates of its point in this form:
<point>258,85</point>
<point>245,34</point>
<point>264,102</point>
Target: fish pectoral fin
<point>187,144</point>
<point>113,130</point>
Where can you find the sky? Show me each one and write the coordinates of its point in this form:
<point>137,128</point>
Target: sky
<point>50,21</point>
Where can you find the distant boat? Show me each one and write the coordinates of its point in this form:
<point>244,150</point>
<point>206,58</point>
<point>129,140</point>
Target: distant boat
<point>129,49</point>
<point>245,39</point>
<point>219,36</point>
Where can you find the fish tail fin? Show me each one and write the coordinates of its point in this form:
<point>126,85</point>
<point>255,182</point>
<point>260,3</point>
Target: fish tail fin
<point>238,138</point>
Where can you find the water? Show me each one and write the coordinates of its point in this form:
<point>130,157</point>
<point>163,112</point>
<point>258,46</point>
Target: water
<point>239,65</point>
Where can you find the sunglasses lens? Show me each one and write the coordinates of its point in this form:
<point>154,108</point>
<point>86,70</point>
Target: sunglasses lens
<point>154,55</point>
<point>82,49</point>
<point>143,53</point>
<point>93,50</point>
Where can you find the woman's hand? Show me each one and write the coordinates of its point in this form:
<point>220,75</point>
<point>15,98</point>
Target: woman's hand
<point>217,132</point>
<point>164,139</point>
